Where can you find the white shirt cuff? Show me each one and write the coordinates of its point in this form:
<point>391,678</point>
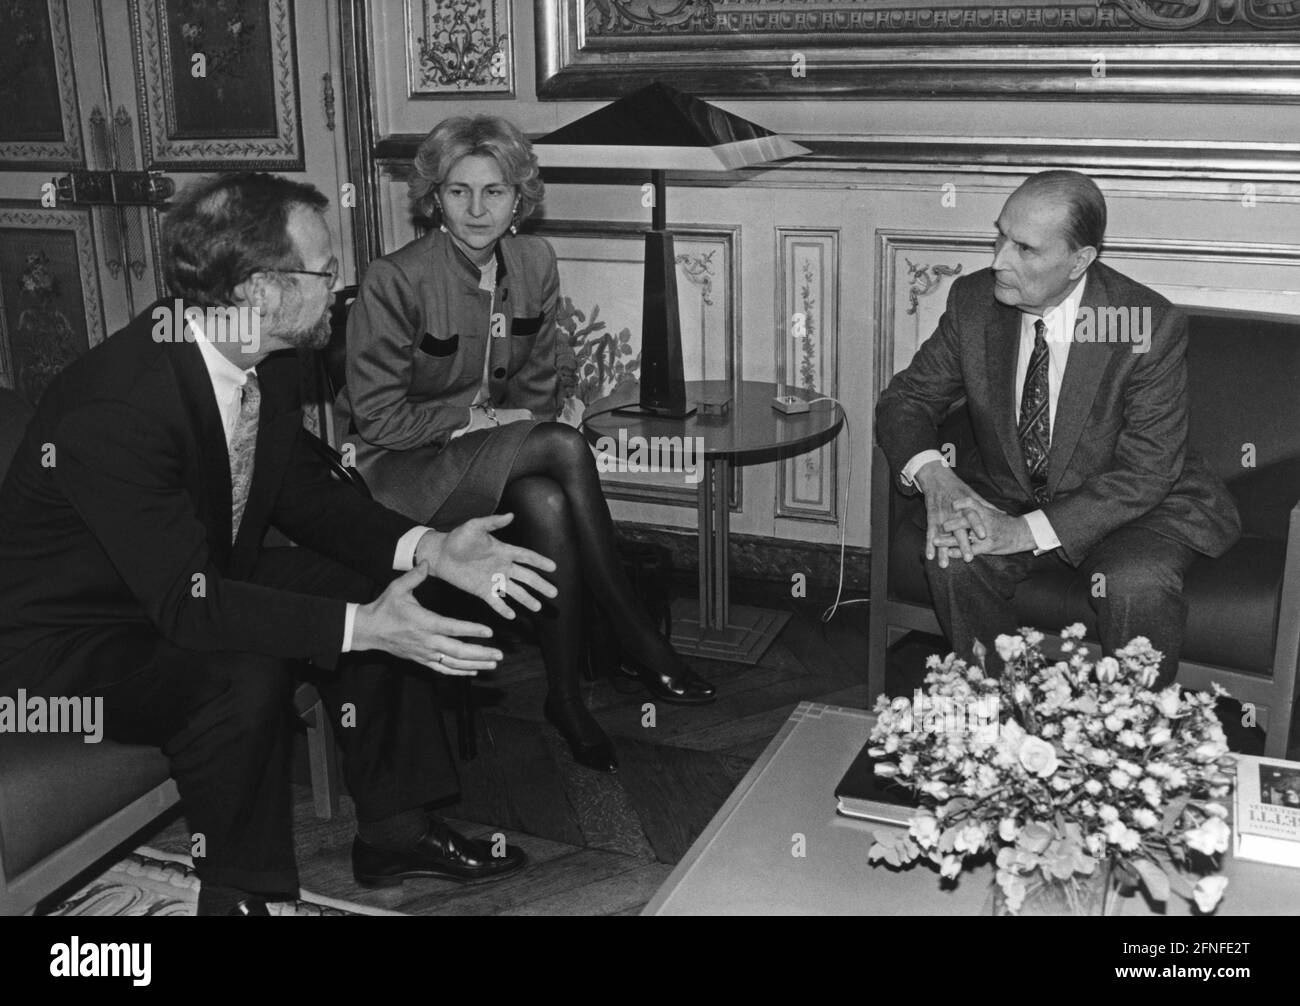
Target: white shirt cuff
<point>349,620</point>
<point>404,554</point>
<point>1041,528</point>
<point>464,429</point>
<point>917,463</point>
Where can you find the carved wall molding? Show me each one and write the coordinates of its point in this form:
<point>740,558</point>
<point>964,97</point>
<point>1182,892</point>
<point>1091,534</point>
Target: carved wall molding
<point>1174,50</point>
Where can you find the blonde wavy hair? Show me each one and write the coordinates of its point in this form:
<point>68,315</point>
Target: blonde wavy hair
<point>482,135</point>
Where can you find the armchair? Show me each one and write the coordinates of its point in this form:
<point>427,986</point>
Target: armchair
<point>1243,622</point>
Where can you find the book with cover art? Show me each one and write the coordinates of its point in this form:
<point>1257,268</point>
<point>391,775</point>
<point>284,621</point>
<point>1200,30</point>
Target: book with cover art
<point>863,794</point>
<point>1266,822</point>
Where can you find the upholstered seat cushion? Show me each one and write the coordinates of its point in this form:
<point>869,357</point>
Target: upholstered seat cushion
<point>1232,601</point>
<point>55,787</point>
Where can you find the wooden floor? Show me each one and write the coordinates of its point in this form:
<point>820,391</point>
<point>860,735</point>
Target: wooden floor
<point>601,844</point>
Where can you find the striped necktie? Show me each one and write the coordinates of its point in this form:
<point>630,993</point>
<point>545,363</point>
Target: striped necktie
<point>243,446</point>
<point>1035,428</point>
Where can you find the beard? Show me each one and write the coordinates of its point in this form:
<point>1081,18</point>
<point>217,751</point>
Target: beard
<point>316,337</point>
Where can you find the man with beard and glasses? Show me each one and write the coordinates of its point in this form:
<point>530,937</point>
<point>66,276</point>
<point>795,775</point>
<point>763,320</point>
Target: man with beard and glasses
<point>133,565</point>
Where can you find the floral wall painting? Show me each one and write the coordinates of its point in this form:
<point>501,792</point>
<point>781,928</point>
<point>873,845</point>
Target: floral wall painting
<point>602,268</point>
<point>39,128</point>
<point>217,82</point>
<point>49,307</point>
<point>806,346</point>
<point>457,48</point>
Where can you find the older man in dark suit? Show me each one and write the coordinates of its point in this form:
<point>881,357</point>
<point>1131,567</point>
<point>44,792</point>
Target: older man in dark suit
<point>1076,386</point>
<point>132,563</point>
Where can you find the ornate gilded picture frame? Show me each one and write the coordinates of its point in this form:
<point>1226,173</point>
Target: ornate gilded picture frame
<point>1198,50</point>
<point>217,82</point>
<point>40,127</point>
<point>50,307</point>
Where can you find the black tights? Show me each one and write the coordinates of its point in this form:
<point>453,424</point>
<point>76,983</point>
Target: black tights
<point>560,510</point>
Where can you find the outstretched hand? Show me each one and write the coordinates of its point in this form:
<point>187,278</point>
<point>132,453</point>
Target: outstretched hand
<point>397,623</point>
<point>478,563</point>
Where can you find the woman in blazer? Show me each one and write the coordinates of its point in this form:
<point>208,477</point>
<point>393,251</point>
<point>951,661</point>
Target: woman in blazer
<point>453,392</point>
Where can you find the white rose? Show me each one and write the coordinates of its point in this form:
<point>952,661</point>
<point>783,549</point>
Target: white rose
<point>925,829</point>
<point>1092,787</point>
<point>950,868</point>
<point>1108,813</point>
<point>1038,757</point>
<point>1208,891</point>
<point>1119,778</point>
<point>970,839</point>
<point>1210,838</point>
<point>1009,647</point>
<point>1160,735</point>
<point>1169,701</point>
<point>1107,670</point>
<point>1007,829</point>
<point>1113,723</point>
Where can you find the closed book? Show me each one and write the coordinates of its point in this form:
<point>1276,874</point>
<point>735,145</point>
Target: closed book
<point>1266,818</point>
<point>863,794</point>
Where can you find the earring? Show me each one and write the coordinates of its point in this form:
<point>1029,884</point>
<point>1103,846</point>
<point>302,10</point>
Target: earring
<point>514,227</point>
<point>514,219</point>
<point>443,228</point>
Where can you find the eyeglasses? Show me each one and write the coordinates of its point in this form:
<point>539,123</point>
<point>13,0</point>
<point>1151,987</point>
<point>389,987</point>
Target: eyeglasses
<point>332,275</point>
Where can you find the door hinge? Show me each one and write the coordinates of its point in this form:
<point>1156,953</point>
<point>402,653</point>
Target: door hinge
<point>114,188</point>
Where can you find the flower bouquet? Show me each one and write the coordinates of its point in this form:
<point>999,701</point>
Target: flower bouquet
<point>1076,776</point>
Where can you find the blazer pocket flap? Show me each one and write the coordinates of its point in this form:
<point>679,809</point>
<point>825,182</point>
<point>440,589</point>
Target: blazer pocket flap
<point>525,326</point>
<point>439,347</point>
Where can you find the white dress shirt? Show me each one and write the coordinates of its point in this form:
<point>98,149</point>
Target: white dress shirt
<point>228,382</point>
<point>1060,321</point>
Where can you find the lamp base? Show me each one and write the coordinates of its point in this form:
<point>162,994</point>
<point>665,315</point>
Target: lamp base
<point>655,411</point>
<point>791,405</point>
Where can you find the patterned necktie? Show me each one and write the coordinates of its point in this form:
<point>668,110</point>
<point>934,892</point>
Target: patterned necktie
<point>1035,428</point>
<point>243,445</point>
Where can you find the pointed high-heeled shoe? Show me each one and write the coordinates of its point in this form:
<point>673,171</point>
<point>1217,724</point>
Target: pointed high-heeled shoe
<point>684,688</point>
<point>595,755</point>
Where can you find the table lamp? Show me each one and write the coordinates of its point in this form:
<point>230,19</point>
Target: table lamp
<point>661,129</point>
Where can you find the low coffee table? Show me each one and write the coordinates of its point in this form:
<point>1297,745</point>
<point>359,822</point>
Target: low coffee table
<point>745,864</point>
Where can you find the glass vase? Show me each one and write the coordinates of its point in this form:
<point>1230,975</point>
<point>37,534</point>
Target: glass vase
<point>1096,893</point>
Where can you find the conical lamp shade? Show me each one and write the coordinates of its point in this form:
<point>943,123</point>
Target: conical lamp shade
<point>659,128</point>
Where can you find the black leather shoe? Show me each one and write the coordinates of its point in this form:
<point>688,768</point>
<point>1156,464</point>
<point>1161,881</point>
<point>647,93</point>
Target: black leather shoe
<point>597,755</point>
<point>684,688</point>
<point>440,853</point>
<point>250,906</point>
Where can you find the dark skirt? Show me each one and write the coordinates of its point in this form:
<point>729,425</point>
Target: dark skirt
<point>446,487</point>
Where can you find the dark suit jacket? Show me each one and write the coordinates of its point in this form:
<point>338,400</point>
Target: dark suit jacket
<point>417,335</point>
<point>1119,450</point>
<point>116,513</point>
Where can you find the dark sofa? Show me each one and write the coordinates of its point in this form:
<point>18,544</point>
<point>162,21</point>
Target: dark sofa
<point>1243,624</point>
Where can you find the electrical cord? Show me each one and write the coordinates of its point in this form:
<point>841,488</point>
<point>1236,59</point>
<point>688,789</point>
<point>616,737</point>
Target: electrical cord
<point>829,613</point>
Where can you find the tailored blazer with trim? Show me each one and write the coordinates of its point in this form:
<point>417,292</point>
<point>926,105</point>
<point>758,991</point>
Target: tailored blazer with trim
<point>1119,452</point>
<point>417,336</point>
